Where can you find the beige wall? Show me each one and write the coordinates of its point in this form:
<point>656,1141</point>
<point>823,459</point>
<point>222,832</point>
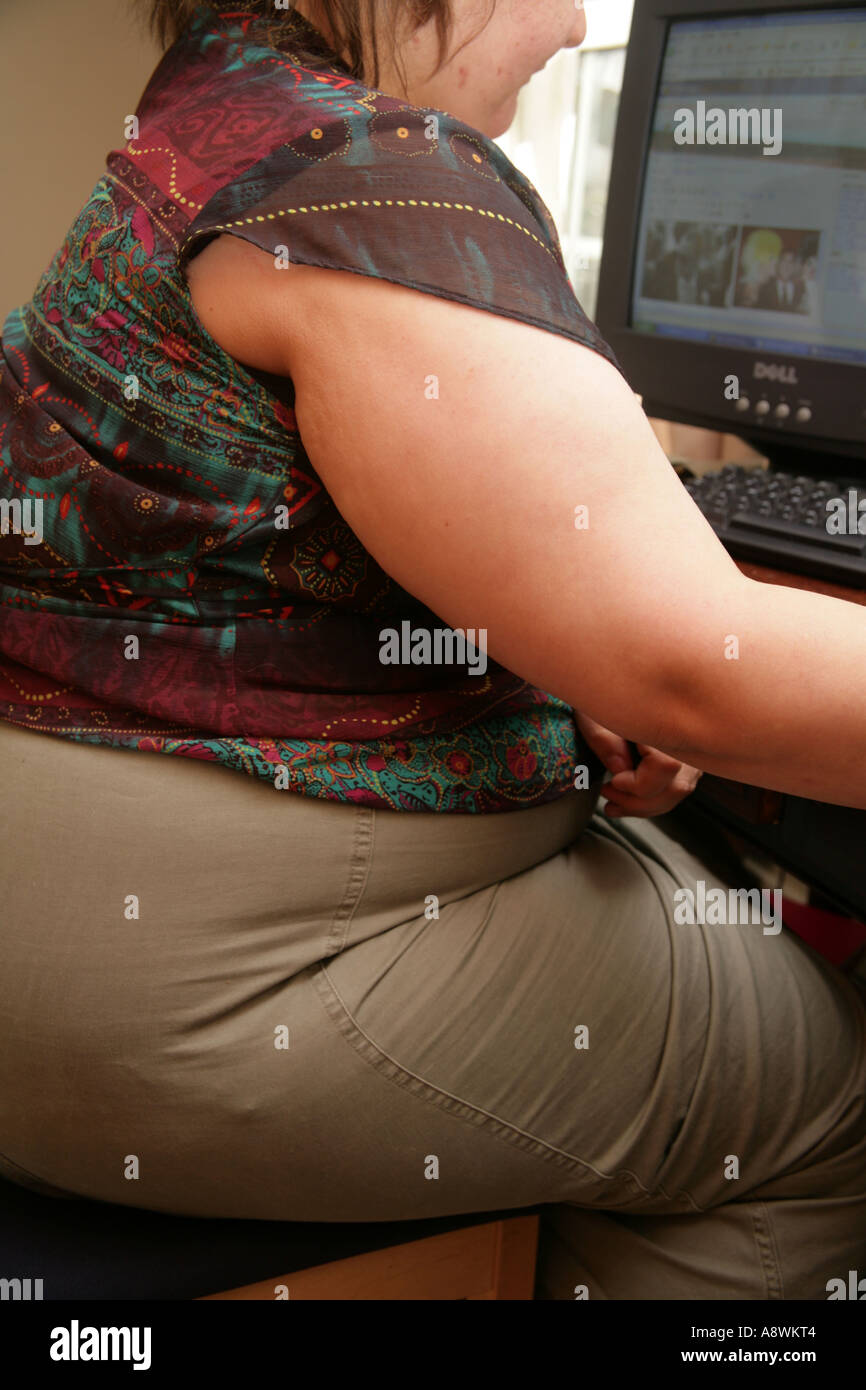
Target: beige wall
<point>70,71</point>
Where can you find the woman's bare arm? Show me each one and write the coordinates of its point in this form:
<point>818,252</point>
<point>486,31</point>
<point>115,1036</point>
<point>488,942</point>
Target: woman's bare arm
<point>457,445</point>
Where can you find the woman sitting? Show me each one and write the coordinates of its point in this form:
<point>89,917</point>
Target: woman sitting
<point>352,529</point>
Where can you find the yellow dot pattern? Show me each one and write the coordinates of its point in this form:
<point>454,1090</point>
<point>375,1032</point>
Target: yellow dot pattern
<point>172,178</point>
<point>380,723</point>
<point>379,203</point>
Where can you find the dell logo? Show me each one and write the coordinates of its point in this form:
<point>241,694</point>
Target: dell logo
<point>775,372</point>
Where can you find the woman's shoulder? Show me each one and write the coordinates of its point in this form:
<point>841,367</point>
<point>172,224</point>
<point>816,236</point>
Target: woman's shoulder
<point>228,119</point>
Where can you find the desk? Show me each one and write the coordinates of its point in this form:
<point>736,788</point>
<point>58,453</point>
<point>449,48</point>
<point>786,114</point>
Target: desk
<point>800,581</point>
<point>820,843</point>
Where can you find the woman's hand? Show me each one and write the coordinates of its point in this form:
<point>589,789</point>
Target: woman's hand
<point>656,785</point>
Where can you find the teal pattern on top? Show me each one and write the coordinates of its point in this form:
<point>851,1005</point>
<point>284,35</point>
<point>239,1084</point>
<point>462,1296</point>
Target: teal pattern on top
<point>191,589</point>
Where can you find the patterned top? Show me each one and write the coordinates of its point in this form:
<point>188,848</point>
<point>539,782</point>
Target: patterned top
<point>174,577</point>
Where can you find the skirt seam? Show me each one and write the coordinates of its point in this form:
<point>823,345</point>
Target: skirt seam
<point>401,1076</point>
<point>356,880</point>
<point>768,1254</point>
<point>23,1177</point>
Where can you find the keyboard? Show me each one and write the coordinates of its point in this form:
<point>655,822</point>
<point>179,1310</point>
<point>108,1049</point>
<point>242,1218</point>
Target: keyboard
<point>781,520</point>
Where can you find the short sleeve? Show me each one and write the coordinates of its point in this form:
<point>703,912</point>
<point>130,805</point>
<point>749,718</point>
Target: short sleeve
<point>406,195</point>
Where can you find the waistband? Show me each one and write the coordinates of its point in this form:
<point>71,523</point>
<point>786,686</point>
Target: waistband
<point>227,818</point>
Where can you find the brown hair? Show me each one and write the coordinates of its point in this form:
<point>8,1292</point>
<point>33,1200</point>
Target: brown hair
<point>355,26</point>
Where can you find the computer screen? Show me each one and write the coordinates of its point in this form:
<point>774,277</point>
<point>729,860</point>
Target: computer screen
<point>733,273</point>
<point>753,216</point>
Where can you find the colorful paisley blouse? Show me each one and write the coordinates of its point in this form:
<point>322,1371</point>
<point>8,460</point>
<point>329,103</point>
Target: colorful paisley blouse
<point>174,577</point>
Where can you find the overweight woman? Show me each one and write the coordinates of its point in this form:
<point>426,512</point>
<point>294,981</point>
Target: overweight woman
<point>345,567</point>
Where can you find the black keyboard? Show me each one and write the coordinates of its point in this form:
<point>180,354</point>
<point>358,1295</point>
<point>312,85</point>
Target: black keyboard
<point>780,520</point>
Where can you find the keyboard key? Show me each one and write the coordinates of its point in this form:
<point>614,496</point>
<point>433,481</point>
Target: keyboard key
<point>797,531</point>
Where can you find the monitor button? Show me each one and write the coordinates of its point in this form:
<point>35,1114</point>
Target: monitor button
<point>743,403</point>
<point>782,411</point>
<point>803,415</point>
<point>762,408</point>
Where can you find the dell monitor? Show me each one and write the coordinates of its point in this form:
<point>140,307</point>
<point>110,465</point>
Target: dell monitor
<point>733,276</point>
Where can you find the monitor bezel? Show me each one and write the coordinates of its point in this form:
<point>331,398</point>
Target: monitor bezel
<point>684,383</point>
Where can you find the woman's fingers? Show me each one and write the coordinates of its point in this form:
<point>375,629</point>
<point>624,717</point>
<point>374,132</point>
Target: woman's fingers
<point>653,775</point>
<point>609,747</point>
<point>664,786</point>
<point>657,784</point>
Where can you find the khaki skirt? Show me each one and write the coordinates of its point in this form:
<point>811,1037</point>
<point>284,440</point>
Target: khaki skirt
<point>221,1000</point>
